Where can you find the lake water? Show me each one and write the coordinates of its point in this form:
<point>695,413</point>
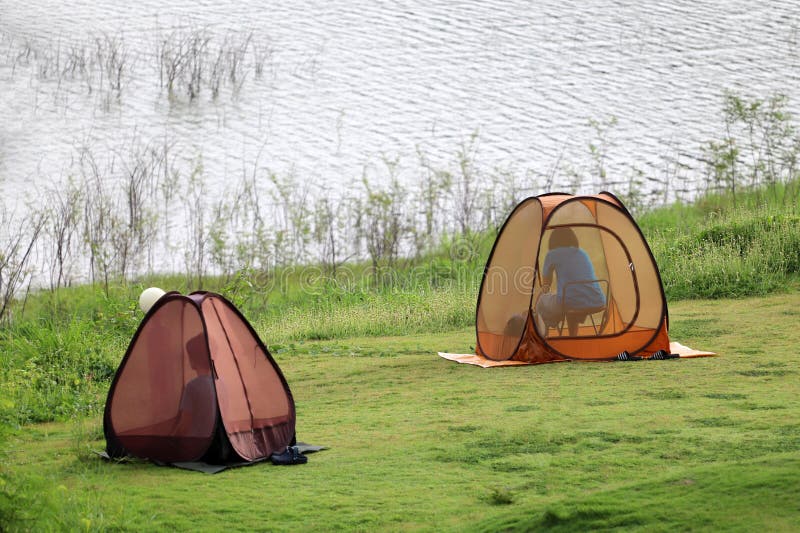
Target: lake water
<point>344,84</point>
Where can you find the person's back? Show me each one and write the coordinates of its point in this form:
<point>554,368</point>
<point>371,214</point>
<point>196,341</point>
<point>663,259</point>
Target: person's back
<point>198,405</point>
<point>577,288</point>
<point>575,273</point>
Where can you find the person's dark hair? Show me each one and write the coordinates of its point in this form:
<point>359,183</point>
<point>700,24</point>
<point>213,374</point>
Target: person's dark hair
<point>563,237</point>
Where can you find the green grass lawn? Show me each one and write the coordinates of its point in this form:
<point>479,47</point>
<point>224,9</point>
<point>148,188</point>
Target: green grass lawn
<point>421,443</point>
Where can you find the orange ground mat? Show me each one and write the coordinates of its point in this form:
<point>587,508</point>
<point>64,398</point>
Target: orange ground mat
<point>472,359</point>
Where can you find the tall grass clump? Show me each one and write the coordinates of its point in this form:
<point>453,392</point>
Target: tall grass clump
<point>188,63</point>
<point>401,313</point>
<point>752,248</point>
<point>195,60</point>
<point>17,244</point>
<point>58,363</point>
<point>742,235</point>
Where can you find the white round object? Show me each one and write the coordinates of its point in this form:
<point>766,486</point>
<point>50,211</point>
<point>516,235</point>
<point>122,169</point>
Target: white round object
<point>149,297</point>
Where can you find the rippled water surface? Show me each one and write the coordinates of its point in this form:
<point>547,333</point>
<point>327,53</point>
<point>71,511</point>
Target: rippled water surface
<point>347,82</point>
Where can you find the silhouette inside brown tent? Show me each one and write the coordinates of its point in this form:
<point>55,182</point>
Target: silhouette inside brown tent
<point>197,384</point>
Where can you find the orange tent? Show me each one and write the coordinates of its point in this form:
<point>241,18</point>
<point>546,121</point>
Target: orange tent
<point>629,311</point>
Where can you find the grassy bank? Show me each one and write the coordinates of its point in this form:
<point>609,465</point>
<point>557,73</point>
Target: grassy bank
<point>417,442</point>
<point>398,418</point>
<point>724,246</point>
<point>58,354</point>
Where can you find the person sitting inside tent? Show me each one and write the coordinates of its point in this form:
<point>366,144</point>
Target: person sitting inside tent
<point>198,401</point>
<point>578,290</point>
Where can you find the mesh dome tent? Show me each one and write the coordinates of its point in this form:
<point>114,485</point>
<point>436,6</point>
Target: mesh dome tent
<point>629,312</point>
<point>196,382</point>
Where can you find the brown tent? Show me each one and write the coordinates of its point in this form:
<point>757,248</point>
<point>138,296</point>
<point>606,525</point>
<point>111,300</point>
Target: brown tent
<point>195,382</point>
<point>608,301</point>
